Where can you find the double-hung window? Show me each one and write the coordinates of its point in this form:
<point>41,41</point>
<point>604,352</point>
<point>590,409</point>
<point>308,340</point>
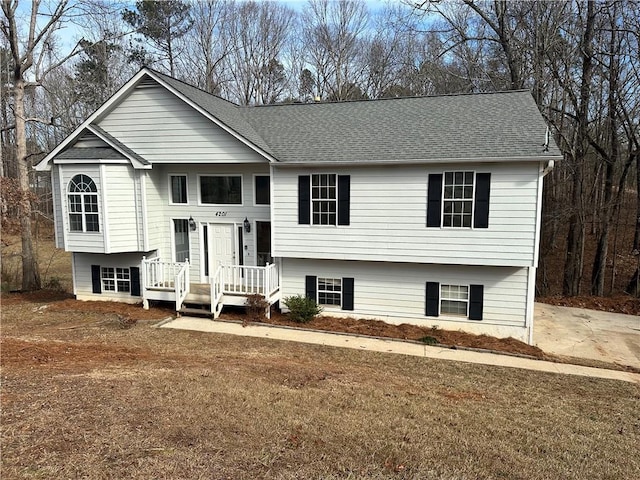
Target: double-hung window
<point>458,199</point>
<point>116,279</point>
<point>454,300</point>
<point>331,291</point>
<point>83,204</point>
<point>178,186</point>
<point>324,199</point>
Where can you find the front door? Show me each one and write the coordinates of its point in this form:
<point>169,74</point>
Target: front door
<point>219,247</point>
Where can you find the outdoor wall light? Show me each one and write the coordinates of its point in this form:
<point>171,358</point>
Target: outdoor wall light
<point>192,224</point>
<point>247,225</point>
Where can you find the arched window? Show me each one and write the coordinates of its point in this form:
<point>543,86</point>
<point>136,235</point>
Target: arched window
<point>83,204</point>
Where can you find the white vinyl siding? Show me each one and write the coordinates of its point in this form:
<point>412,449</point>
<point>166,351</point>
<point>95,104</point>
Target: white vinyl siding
<point>124,209</point>
<point>57,206</point>
<point>388,218</point>
<point>395,292</point>
<point>82,241</point>
<point>162,128</point>
<point>161,214</point>
<point>82,263</point>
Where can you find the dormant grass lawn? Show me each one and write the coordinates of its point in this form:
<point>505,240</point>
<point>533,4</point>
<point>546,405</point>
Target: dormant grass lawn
<point>83,397</point>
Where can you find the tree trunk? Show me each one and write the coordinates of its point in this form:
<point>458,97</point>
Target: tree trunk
<point>30,271</point>
<point>574,260</point>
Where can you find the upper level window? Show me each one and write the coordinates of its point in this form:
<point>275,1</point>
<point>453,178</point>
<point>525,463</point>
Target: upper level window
<point>221,190</point>
<point>457,199</point>
<point>262,192</point>
<point>324,199</point>
<point>178,185</point>
<point>83,205</point>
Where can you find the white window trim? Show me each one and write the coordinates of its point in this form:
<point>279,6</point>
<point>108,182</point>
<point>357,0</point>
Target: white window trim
<point>229,205</point>
<point>99,196</point>
<point>115,279</point>
<point>173,238</point>
<point>329,305</point>
<point>311,223</point>
<point>186,175</point>
<point>473,201</point>
<point>441,298</point>
<point>255,197</point>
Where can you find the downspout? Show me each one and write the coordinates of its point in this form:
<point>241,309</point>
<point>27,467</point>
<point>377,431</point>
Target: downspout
<point>531,274</point>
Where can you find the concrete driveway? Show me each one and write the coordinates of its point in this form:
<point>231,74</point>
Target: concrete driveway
<point>577,332</point>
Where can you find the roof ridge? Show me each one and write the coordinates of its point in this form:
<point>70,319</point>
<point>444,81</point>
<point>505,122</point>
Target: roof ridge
<point>366,100</point>
<point>192,86</point>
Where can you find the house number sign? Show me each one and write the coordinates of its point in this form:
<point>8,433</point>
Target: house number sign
<point>221,214</point>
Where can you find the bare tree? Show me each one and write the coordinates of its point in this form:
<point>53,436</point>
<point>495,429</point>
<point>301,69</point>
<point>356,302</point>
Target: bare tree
<point>33,57</point>
<point>333,34</point>
<point>258,33</point>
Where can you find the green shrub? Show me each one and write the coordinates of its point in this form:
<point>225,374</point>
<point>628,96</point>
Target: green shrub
<point>302,309</point>
<point>429,340</point>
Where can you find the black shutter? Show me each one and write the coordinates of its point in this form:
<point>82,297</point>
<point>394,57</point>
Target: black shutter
<point>433,299</point>
<point>310,287</point>
<point>95,279</point>
<point>135,281</point>
<point>344,198</point>
<point>347,294</point>
<point>304,199</point>
<point>483,188</point>
<point>434,199</point>
<point>476,295</point>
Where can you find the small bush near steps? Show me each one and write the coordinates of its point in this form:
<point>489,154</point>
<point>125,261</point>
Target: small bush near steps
<point>302,309</point>
<point>256,307</point>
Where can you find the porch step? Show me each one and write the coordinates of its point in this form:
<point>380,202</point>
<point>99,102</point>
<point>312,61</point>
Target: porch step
<point>195,311</point>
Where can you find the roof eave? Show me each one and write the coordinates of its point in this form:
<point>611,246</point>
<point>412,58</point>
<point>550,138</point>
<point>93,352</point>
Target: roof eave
<point>417,161</point>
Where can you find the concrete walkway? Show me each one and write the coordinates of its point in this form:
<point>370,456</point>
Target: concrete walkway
<point>391,346</point>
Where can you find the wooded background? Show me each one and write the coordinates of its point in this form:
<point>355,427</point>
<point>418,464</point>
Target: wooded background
<point>60,60</point>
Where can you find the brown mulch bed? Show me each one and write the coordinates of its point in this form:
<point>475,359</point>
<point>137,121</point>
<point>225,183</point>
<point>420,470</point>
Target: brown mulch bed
<point>378,328</point>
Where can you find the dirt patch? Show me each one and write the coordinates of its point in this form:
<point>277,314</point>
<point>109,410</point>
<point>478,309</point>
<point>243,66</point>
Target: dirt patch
<point>20,353</point>
<point>616,304</point>
<point>125,310</point>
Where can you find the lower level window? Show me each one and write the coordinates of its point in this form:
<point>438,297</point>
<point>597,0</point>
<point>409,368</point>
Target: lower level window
<point>330,291</point>
<point>116,279</point>
<point>454,300</point>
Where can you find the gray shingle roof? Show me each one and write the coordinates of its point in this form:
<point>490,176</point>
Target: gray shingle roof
<point>467,126</point>
<point>90,153</point>
<point>118,144</point>
<point>493,125</point>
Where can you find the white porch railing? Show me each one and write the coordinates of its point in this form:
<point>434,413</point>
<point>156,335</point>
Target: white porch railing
<point>243,280</point>
<point>163,278</point>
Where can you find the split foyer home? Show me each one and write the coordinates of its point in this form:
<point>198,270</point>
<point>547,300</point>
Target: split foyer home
<point>418,210</point>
